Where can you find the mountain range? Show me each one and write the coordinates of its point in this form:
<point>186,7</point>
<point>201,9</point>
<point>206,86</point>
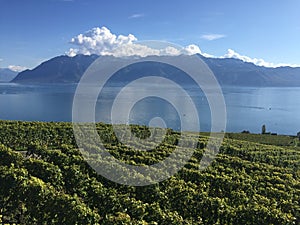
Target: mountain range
<point>6,75</point>
<point>228,71</point>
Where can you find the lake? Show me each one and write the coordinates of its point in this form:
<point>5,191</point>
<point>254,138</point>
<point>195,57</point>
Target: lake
<point>248,108</point>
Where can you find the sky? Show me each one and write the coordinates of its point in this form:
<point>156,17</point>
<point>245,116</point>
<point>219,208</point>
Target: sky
<point>265,32</point>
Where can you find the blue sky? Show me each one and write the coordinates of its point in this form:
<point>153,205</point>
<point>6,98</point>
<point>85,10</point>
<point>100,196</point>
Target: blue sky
<point>34,31</point>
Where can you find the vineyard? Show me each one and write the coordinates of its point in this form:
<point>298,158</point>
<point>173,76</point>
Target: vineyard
<point>44,179</point>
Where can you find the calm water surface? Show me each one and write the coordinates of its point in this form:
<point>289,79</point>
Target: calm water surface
<point>247,107</point>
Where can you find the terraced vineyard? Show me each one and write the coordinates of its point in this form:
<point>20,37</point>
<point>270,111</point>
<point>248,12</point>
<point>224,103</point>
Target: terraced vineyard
<point>45,180</point>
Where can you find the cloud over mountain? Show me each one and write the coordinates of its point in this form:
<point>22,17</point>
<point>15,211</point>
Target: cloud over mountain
<point>259,62</point>
<point>101,41</point>
<point>17,68</point>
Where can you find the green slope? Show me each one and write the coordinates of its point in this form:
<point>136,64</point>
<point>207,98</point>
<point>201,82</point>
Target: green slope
<point>45,180</point>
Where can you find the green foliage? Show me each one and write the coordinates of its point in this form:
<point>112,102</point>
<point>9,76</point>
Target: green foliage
<point>278,140</point>
<point>44,179</point>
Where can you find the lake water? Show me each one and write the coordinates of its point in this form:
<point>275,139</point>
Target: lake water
<point>248,108</point>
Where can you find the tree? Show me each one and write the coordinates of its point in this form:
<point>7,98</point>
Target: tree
<point>263,129</point>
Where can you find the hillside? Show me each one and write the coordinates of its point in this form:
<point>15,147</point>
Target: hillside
<point>45,180</point>
<point>7,75</point>
<point>64,69</point>
<point>61,69</point>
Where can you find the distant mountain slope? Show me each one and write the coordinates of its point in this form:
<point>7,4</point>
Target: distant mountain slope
<point>236,72</point>
<point>64,69</point>
<point>6,75</point>
<point>61,69</point>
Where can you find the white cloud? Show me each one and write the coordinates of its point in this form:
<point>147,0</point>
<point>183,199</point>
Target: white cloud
<point>170,51</point>
<point>101,41</point>
<point>191,50</point>
<point>211,37</point>
<point>259,62</point>
<point>131,49</point>
<point>72,52</point>
<point>17,68</point>
<point>137,15</point>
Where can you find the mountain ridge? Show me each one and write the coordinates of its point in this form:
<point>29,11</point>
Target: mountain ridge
<point>228,71</point>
